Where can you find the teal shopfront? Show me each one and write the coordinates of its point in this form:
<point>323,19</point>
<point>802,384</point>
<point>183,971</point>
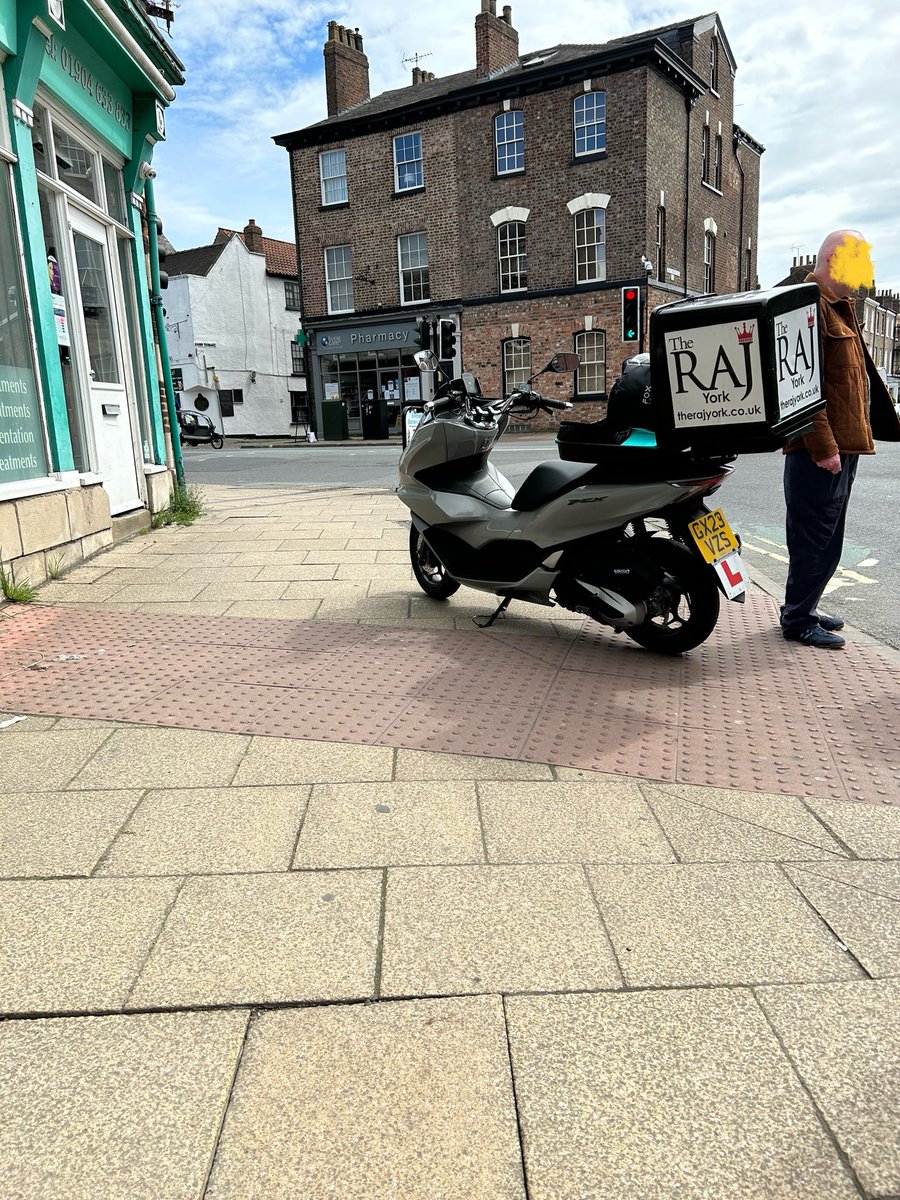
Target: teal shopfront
<point>85,85</point>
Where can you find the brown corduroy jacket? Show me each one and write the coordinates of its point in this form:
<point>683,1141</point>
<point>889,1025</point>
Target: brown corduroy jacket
<point>848,372</point>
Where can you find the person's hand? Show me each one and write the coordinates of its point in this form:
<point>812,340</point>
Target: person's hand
<point>832,464</point>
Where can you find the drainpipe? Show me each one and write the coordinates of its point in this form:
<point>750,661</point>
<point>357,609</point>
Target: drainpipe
<point>737,159</point>
<point>157,305</point>
<point>688,105</point>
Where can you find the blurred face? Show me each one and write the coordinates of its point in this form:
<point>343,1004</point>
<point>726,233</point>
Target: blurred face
<point>850,265</point>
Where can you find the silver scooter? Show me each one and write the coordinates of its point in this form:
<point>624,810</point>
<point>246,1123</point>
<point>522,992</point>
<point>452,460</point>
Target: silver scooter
<point>575,533</point>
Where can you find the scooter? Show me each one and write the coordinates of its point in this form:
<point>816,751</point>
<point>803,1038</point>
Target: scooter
<point>574,534</point>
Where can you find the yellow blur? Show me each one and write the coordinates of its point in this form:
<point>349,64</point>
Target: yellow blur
<point>851,264</point>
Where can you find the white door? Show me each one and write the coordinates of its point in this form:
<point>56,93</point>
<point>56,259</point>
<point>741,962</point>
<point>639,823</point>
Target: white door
<point>99,328</point>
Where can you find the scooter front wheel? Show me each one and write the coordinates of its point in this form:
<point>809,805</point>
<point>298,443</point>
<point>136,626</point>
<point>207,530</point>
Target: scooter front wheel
<point>431,574</point>
<point>217,441</point>
<point>685,607</point>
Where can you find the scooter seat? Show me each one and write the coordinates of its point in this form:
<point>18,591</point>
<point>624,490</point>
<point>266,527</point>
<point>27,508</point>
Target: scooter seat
<point>547,481</point>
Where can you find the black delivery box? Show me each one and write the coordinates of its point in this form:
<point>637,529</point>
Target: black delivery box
<point>736,374</point>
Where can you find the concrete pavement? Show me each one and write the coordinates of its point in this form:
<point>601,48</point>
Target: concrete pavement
<point>298,956</point>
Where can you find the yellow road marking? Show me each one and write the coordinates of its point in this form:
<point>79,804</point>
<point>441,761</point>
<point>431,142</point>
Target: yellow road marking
<point>848,576</point>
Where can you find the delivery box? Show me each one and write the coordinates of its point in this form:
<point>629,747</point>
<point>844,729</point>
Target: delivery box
<point>736,374</point>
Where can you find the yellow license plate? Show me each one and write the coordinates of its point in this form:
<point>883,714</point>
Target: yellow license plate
<point>714,536</point>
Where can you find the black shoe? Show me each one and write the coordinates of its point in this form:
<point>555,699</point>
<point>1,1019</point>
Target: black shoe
<point>815,635</point>
<point>832,624</point>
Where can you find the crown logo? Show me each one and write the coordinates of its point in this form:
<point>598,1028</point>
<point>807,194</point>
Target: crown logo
<point>810,318</point>
<point>744,335</point>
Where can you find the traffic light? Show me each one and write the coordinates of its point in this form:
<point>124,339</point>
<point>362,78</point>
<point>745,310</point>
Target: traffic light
<point>424,334</point>
<point>446,340</point>
<point>631,314</point>
<point>161,255</point>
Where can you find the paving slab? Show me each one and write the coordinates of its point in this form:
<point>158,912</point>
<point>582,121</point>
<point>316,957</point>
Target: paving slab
<point>114,1108</point>
<point>421,765</point>
<point>861,903</point>
<point>59,833</point>
<point>162,757</point>
<point>844,1040</point>
<point>458,930</point>
<point>604,820</point>
<point>654,1095</point>
<point>71,945</point>
<point>724,825</point>
<point>45,759</point>
<point>390,824</point>
<point>194,831</point>
<point>869,830</point>
<point>373,1102</point>
<point>280,760</point>
<point>714,924</point>
<point>262,939</point>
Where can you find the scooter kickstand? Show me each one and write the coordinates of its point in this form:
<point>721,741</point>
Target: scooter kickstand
<point>486,622</point>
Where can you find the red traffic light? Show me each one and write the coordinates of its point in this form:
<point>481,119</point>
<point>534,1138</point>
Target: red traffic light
<point>630,293</point>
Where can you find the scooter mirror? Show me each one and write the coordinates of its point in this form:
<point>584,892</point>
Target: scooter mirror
<point>562,363</point>
<point>426,360</point>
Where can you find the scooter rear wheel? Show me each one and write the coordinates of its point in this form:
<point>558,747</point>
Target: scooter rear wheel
<point>691,601</point>
<point>431,574</point>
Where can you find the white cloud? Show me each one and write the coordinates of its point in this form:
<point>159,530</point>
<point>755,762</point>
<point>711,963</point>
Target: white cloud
<point>815,84</point>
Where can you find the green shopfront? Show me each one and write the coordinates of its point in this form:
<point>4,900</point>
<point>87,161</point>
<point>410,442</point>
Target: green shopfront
<point>85,84</point>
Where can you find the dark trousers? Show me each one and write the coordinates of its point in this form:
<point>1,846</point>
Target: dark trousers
<point>816,514</point>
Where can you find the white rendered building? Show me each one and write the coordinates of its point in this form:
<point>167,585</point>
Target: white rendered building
<point>232,317</point>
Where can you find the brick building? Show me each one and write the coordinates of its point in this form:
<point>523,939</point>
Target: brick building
<point>518,198</point>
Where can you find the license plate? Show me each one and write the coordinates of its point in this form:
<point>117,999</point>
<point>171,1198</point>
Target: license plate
<point>714,537</point>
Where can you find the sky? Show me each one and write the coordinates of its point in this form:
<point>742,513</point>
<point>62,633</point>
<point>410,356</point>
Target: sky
<point>816,84</point>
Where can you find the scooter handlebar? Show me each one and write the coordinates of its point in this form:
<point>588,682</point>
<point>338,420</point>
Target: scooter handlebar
<point>554,405</point>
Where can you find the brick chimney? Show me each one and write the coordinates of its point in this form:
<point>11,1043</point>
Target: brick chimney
<point>496,42</point>
<point>420,76</point>
<point>253,237</point>
<point>346,69</point>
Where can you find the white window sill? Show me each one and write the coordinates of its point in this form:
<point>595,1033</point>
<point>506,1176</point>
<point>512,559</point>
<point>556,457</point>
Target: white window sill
<point>154,469</point>
<point>711,187</point>
<point>513,291</point>
<point>22,489</point>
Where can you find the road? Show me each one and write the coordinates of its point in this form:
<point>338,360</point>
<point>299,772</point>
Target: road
<point>865,591</point>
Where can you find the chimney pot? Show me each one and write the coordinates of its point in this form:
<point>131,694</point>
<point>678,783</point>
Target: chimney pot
<point>496,41</point>
<point>253,237</point>
<point>346,69</point>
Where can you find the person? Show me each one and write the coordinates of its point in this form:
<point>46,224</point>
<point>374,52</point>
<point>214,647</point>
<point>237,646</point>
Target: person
<point>820,467</point>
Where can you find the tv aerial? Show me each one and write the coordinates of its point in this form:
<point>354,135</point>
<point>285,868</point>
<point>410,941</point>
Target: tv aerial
<point>415,59</point>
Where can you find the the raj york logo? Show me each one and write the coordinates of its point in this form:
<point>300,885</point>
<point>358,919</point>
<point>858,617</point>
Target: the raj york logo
<point>730,375</point>
<point>795,349</point>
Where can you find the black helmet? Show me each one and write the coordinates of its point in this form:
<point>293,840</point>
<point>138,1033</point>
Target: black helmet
<point>630,403</point>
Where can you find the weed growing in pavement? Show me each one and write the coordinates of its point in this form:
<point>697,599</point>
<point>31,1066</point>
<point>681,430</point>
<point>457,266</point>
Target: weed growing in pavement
<point>18,591</point>
<point>185,508</point>
<point>55,566</point>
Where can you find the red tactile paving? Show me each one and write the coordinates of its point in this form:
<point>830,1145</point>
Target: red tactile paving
<point>745,710</point>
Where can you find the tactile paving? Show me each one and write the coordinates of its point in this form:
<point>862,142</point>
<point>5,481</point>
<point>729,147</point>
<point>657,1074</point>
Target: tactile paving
<point>745,710</point>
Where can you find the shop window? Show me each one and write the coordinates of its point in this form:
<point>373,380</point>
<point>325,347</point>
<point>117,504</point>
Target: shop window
<point>412,253</point>
<point>590,379</point>
<point>22,450</point>
<point>516,363</point>
<point>228,398</point>
<point>661,243</point>
<point>76,164</point>
<point>590,245</point>
<point>409,170</point>
<point>509,142</point>
<point>292,295</point>
<point>333,176</point>
<point>339,278</point>
<point>297,365</point>
<point>512,255</point>
<point>40,140</point>
<point>115,192</point>
<point>590,123</point>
